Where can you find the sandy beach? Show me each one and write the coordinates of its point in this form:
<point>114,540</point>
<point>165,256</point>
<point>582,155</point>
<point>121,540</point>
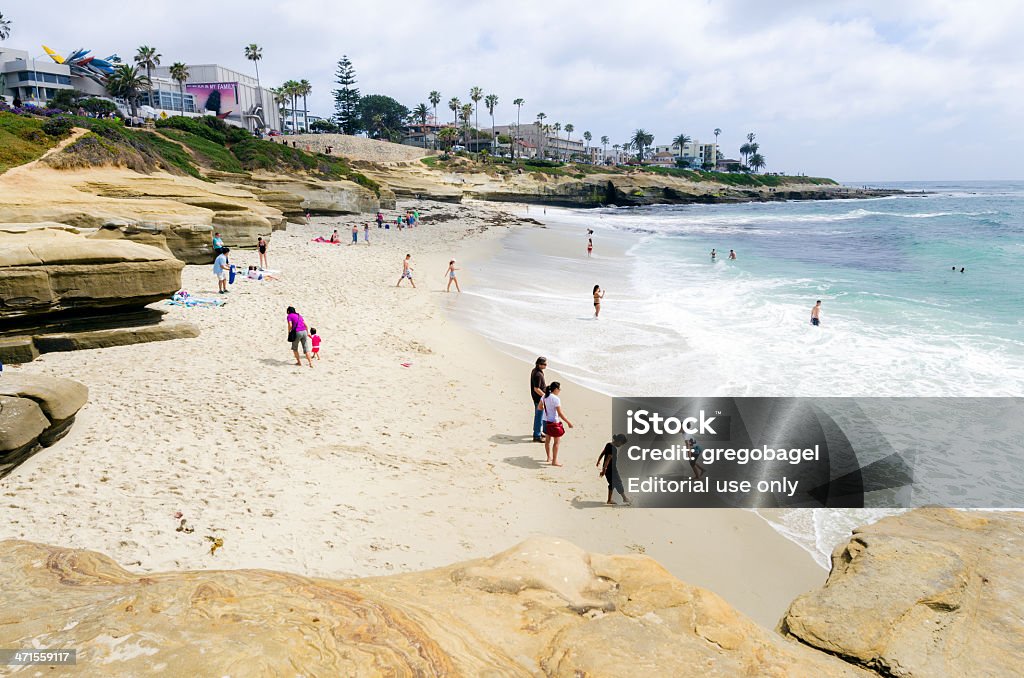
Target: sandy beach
<point>360,466</point>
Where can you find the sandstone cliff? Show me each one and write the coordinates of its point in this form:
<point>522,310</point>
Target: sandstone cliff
<point>933,592</point>
<point>542,608</point>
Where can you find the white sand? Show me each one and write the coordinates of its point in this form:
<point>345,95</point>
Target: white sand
<point>358,466</point>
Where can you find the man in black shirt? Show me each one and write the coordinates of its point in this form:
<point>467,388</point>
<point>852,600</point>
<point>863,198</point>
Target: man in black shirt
<point>537,386</point>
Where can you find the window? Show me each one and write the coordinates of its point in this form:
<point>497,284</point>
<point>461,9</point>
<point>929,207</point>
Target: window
<point>49,77</point>
<point>64,79</point>
<point>25,76</point>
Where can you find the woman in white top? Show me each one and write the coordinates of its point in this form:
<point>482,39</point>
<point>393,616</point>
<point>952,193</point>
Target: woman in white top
<point>553,418</point>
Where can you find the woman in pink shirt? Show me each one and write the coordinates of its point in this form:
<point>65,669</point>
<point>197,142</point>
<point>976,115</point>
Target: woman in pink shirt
<point>298,334</point>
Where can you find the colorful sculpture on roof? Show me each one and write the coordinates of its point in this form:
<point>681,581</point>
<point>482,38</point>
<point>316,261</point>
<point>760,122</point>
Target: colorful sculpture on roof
<point>85,66</point>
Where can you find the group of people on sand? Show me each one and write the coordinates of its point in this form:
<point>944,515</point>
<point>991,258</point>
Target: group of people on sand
<point>450,274</point>
<point>550,423</point>
<point>222,267</point>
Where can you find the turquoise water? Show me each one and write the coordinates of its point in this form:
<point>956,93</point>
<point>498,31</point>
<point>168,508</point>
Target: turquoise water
<point>896,319</point>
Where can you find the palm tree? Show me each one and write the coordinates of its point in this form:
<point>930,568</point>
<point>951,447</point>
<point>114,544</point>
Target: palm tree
<point>641,139</point>
<point>718,130</point>
<point>491,100</point>
<point>434,98</point>
<point>569,129</point>
<point>681,141</point>
<point>466,115</point>
<point>455,104</point>
<point>147,58</point>
<point>254,53</point>
<point>518,103</point>
<point>476,94</point>
<point>587,136</point>
<point>447,136</point>
<point>179,73</point>
<point>292,91</point>
<point>281,99</point>
<point>305,89</point>
<point>750,137</point>
<point>745,151</point>
<point>604,147</point>
<point>420,113</point>
<point>756,161</point>
<point>541,140</point>
<point>557,127</point>
<point>5,27</point>
<point>615,147</point>
<point>126,82</point>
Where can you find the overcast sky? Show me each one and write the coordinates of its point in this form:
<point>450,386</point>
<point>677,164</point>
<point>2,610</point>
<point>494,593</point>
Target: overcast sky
<point>860,90</point>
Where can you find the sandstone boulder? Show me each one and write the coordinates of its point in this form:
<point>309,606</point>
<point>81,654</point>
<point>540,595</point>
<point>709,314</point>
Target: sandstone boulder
<point>47,270</point>
<point>118,336</point>
<point>933,592</point>
<point>35,411</point>
<point>318,197</point>
<point>542,608</point>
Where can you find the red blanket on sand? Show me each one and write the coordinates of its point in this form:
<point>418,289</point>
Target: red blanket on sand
<point>323,239</point>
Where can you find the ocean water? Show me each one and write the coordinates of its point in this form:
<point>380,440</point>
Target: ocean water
<point>897,319</point>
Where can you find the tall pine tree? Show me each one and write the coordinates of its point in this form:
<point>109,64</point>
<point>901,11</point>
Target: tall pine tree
<point>346,98</point>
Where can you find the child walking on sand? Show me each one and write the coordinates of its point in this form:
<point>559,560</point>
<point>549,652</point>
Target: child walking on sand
<point>315,339</point>
<point>406,271</point>
<point>608,469</point>
<point>452,278</point>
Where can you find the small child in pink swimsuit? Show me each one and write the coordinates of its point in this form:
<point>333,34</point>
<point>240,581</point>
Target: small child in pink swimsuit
<point>315,338</point>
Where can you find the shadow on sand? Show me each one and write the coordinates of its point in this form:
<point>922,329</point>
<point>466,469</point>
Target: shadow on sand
<point>505,439</point>
<point>582,504</point>
<point>524,462</point>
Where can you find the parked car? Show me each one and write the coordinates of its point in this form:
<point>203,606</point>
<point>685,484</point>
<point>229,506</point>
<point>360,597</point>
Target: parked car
<point>458,148</point>
<point>273,133</point>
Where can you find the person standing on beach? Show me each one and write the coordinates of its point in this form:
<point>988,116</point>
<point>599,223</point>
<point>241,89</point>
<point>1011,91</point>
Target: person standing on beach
<point>452,277</point>
<point>380,219</point>
<point>315,340</point>
<point>537,386</point>
<point>406,271</point>
<point>221,268</point>
<point>553,418</point>
<point>816,314</point>
<point>590,246</point>
<point>261,246</point>
<point>298,334</point>
<point>693,451</point>
<point>598,296</point>
<point>609,471</point>
<point>218,242</point>
<point>366,232</point>
<point>355,234</point>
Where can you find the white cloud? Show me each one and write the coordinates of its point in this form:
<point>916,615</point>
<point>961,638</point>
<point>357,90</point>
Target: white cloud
<point>865,80</point>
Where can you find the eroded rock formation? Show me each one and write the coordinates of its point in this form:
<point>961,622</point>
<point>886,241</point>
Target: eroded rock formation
<point>544,607</point>
<point>35,411</point>
<point>933,592</point>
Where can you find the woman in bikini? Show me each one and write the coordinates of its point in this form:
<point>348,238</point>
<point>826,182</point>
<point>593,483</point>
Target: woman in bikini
<point>261,245</point>
<point>598,296</point>
<point>452,278</point>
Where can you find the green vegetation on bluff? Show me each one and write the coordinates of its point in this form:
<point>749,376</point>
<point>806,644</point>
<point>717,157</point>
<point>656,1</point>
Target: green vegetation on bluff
<point>22,140</point>
<point>192,146</point>
<point>463,162</point>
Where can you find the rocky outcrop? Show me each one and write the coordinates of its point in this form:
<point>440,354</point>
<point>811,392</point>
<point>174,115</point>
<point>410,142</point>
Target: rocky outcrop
<point>933,592</point>
<point>46,271</point>
<point>190,243</point>
<point>314,196</point>
<point>542,608</point>
<point>35,411</point>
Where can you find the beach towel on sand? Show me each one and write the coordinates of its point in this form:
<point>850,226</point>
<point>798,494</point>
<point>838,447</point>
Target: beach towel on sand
<point>325,240</point>
<point>193,302</point>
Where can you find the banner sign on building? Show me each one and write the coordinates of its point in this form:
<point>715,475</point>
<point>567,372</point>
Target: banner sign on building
<point>215,98</point>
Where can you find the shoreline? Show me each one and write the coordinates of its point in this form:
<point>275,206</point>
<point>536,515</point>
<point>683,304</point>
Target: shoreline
<point>359,467</point>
